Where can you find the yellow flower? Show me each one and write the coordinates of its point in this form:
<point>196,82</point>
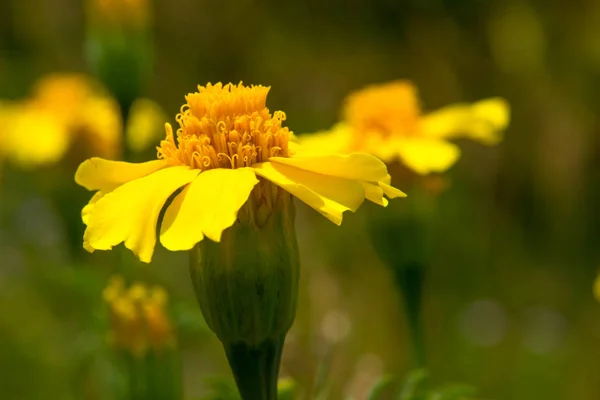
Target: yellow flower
<point>386,120</point>
<point>138,318</point>
<point>227,143</point>
<point>65,111</point>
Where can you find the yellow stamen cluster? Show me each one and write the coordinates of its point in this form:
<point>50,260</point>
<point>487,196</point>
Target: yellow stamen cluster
<point>388,109</point>
<point>138,318</point>
<point>225,126</point>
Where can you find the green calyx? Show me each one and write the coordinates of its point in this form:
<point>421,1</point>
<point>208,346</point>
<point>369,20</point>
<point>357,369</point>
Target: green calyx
<point>247,287</point>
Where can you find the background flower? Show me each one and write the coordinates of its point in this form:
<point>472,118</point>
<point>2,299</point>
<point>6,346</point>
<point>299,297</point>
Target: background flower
<point>386,120</point>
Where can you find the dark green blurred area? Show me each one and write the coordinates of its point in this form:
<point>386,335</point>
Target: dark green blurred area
<point>508,305</point>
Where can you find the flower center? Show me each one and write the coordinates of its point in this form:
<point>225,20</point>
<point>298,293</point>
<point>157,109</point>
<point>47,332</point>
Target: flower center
<point>383,110</point>
<point>225,126</point>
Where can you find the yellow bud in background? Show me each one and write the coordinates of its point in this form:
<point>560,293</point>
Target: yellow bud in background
<point>138,318</point>
<point>145,126</point>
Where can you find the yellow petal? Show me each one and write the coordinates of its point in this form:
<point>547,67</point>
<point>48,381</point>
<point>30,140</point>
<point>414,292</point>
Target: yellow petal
<point>100,174</point>
<point>206,207</point>
<point>384,148</point>
<point>329,195</point>
<point>360,166</point>
<point>130,212</point>
<point>426,155</point>
<point>482,121</point>
<point>374,193</point>
<point>336,140</point>
<point>87,209</point>
<point>390,191</point>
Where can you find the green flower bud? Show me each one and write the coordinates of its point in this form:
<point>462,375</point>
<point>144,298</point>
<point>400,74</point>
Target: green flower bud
<point>247,286</point>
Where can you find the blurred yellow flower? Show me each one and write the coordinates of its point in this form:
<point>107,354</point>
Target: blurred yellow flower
<point>138,317</point>
<point>64,110</point>
<point>144,125</point>
<point>120,13</point>
<point>386,120</point>
<point>71,113</point>
<point>227,143</point>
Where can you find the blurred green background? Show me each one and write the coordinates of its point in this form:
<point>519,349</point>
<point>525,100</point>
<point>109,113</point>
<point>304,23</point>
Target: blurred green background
<point>508,304</point>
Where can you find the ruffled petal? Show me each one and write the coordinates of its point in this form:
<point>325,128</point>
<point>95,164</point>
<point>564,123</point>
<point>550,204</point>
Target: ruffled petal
<point>206,207</point>
<point>482,121</point>
<point>390,191</point>
<point>100,174</point>
<point>426,155</point>
<point>359,166</point>
<point>374,193</point>
<point>130,212</point>
<point>87,209</point>
<point>329,195</point>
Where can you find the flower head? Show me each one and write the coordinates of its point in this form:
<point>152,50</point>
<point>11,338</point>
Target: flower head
<point>64,111</point>
<point>138,317</point>
<point>386,120</point>
<point>229,150</point>
<point>72,116</point>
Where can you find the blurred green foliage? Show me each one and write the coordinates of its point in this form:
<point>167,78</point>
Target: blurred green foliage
<point>508,306</point>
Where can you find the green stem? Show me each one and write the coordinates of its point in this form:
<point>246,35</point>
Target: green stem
<point>136,377</point>
<point>256,368</point>
<point>409,278</point>
<point>125,106</point>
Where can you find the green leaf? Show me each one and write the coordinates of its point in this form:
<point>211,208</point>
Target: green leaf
<point>379,387</point>
<point>221,388</point>
<point>411,384</point>
<point>286,389</point>
<point>453,392</point>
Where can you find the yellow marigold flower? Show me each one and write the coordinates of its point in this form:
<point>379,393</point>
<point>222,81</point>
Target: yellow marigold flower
<point>65,111</point>
<point>227,143</point>
<point>138,317</point>
<point>386,120</point>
